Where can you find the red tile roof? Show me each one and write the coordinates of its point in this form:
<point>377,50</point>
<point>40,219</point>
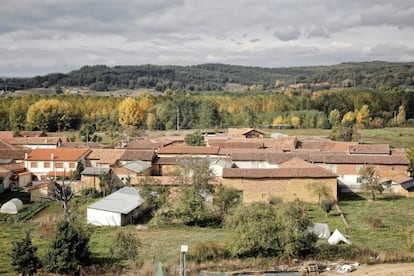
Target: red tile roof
<point>59,154</point>
<point>32,133</point>
<point>143,155</point>
<point>296,163</point>
<point>35,141</point>
<point>189,150</point>
<point>369,149</point>
<point>106,156</point>
<point>315,172</point>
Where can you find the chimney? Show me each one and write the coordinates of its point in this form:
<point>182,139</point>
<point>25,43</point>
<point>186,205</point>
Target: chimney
<point>25,155</point>
<point>52,156</point>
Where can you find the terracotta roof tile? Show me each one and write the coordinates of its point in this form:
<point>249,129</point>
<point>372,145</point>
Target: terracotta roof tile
<point>357,159</point>
<point>106,156</point>
<point>165,161</point>
<point>32,133</point>
<point>59,154</point>
<point>315,172</point>
<point>296,163</point>
<point>144,144</point>
<point>35,140</point>
<point>369,149</point>
<point>83,145</point>
<point>189,150</point>
<point>143,155</point>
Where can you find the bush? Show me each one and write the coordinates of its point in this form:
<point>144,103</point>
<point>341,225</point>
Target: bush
<point>207,251</point>
<point>125,246</point>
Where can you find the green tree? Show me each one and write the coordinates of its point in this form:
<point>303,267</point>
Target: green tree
<point>370,181</point>
<point>226,199</point>
<point>125,246</point>
<point>334,117</point>
<point>86,132</point>
<point>76,174</point>
<point>196,172</point>
<point>194,139</point>
<point>69,248</point>
<point>24,258</point>
<point>154,194</point>
<point>191,209</point>
<point>262,229</point>
<point>17,114</point>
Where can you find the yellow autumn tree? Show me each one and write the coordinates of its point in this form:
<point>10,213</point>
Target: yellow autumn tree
<point>348,119</point>
<point>49,115</point>
<point>130,113</point>
<point>295,121</point>
<point>401,116</point>
<point>278,120</point>
<point>151,121</point>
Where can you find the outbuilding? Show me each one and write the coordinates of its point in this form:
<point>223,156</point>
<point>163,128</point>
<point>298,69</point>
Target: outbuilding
<point>117,209</point>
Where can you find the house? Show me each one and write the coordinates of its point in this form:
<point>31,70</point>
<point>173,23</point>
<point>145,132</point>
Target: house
<point>104,158</point>
<point>245,133</point>
<point>14,176</point>
<point>183,151</point>
<point>348,167</point>
<point>119,208</point>
<point>6,136</point>
<point>41,191</point>
<point>91,178</point>
<point>408,188</point>
<point>46,163</point>
<point>129,173</point>
<point>294,179</point>
<point>37,142</point>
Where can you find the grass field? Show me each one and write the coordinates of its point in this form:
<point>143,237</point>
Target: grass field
<point>163,244</point>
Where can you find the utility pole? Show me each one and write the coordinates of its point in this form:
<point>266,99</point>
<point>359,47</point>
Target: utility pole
<point>184,249</point>
<point>178,118</point>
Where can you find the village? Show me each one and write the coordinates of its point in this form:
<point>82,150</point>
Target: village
<point>259,168</point>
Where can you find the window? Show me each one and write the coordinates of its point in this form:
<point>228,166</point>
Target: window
<point>59,165</point>
<point>46,165</point>
<point>359,180</point>
<point>72,165</point>
<point>33,164</point>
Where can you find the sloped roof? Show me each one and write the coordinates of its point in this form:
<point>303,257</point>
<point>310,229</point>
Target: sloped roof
<point>122,201</point>
<point>369,149</point>
<point>35,140</point>
<point>83,145</point>
<point>189,150</point>
<point>33,133</point>
<point>165,161</point>
<point>144,144</point>
<point>58,154</point>
<point>296,163</point>
<point>132,155</point>
<point>137,166</point>
<point>6,135</point>
<point>95,171</point>
<point>316,172</point>
<point>106,156</point>
<point>358,159</point>
<point>238,132</point>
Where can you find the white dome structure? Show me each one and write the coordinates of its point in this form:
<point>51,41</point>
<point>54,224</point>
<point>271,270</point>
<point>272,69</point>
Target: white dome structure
<point>13,206</point>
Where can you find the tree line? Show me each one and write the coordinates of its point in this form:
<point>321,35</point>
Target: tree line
<point>185,110</point>
<point>217,77</point>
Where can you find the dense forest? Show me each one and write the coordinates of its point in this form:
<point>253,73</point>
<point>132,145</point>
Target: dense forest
<point>214,110</point>
<point>220,77</point>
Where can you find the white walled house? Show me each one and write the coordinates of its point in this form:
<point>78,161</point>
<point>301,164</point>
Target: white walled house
<point>117,209</point>
<point>49,163</point>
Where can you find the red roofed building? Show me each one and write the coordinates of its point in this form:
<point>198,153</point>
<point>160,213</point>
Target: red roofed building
<point>294,179</point>
<point>44,163</point>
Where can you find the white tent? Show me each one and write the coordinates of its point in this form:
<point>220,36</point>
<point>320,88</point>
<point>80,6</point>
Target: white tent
<point>321,230</point>
<point>337,237</point>
<point>12,206</point>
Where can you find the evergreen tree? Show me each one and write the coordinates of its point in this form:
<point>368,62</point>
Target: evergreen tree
<point>24,257</point>
<point>69,248</point>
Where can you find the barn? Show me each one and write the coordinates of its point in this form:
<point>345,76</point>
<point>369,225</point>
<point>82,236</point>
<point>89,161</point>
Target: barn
<point>117,209</point>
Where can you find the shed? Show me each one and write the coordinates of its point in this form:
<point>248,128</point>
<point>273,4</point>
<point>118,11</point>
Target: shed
<point>117,209</point>
<point>13,206</point>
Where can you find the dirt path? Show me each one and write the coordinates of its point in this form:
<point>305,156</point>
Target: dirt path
<point>398,269</point>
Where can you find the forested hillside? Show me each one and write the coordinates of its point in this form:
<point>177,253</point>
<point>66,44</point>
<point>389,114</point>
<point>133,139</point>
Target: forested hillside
<point>220,77</point>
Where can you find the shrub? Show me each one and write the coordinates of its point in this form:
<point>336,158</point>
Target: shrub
<point>125,246</point>
<point>207,251</point>
<point>343,252</point>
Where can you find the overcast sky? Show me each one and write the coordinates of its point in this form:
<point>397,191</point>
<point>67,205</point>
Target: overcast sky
<point>43,36</point>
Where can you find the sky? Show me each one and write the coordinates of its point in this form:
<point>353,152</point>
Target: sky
<point>38,37</point>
